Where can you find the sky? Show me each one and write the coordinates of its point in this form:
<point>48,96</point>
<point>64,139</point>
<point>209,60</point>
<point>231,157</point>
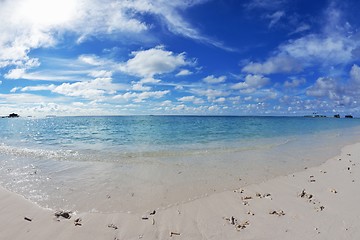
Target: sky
<point>179,57</point>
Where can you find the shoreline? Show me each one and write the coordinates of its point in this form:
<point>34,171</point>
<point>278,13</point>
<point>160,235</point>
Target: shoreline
<point>319,202</point>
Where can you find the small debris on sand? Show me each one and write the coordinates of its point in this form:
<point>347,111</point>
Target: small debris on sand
<point>250,213</point>
<point>64,214</point>
<point>304,194</point>
<point>153,212</point>
<point>27,219</point>
<point>77,222</point>
<point>174,233</point>
<point>320,208</point>
<point>266,195</point>
<point>279,213</point>
<point>239,226</point>
<point>112,226</point>
<point>246,198</point>
<point>242,225</point>
<point>333,190</point>
<point>231,220</point>
<point>144,218</point>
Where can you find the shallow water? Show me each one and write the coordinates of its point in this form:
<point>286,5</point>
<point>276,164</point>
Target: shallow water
<point>120,164</point>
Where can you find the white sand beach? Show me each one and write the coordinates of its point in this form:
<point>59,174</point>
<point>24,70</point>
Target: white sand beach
<point>317,203</point>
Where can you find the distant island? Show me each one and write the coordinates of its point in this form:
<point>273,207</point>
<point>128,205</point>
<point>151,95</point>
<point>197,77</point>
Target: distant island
<point>315,115</point>
<point>12,115</point>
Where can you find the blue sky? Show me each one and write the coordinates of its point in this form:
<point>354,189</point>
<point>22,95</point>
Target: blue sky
<point>203,57</point>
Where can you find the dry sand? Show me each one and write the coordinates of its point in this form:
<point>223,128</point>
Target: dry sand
<point>318,203</point>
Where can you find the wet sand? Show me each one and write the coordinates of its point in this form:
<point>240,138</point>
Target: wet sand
<point>317,203</point>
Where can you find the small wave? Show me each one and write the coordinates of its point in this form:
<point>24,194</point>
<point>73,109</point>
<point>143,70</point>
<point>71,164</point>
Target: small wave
<point>39,153</point>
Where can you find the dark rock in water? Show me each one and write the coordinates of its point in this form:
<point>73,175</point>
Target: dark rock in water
<point>13,115</point>
<point>337,116</point>
<point>348,116</point>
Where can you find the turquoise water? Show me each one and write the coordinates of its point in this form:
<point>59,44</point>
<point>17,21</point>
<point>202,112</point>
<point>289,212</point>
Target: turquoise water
<point>155,133</point>
<point>143,161</point>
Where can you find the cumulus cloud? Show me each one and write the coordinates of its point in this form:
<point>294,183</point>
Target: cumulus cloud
<point>184,72</point>
<point>326,87</point>
<point>140,87</point>
<point>355,73</point>
<point>148,63</point>
<point>31,24</point>
<point>279,63</point>
<point>312,49</point>
<point>211,94</point>
<point>140,97</point>
<point>333,45</point>
<point>88,89</point>
<point>220,100</point>
<point>92,89</point>
<point>192,99</point>
<point>214,80</point>
<point>251,83</point>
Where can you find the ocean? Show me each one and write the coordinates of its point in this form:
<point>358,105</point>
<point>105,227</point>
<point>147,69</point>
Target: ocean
<point>137,163</point>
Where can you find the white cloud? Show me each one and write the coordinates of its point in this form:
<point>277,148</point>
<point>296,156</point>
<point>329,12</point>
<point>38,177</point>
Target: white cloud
<point>301,28</point>
<point>252,82</point>
<point>31,24</point>
<point>140,87</point>
<point>166,103</point>
<point>184,72</point>
<point>15,73</point>
<point>169,11</point>
<point>213,80</point>
<point>265,4</point>
<point>248,98</point>
<point>329,88</point>
<point>211,94</point>
<point>220,100</point>
<point>140,97</point>
<point>279,63</point>
<point>213,108</point>
<point>93,89</point>
<point>101,74</point>
<point>275,17</point>
<point>330,49</point>
<point>355,73</point>
<point>323,87</point>
<point>192,99</point>
<point>39,88</point>
<point>148,63</point>
<point>150,80</point>
<point>92,59</point>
